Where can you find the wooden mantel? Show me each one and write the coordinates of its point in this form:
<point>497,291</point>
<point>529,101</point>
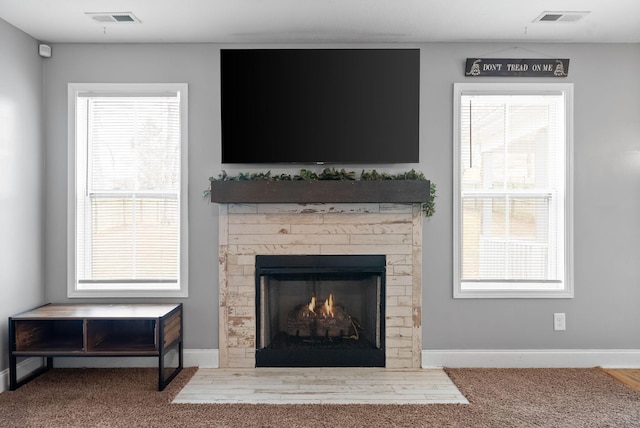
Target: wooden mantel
<point>320,191</point>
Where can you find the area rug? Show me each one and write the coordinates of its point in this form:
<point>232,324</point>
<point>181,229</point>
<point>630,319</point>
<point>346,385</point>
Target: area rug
<point>498,398</point>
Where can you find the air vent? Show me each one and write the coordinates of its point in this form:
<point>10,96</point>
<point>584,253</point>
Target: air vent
<point>561,16</point>
<point>113,17</point>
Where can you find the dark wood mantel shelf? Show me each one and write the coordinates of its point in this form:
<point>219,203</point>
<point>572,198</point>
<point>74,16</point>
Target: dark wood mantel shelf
<point>320,191</point>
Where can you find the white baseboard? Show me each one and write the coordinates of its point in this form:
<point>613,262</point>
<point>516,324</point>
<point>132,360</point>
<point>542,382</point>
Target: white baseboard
<point>490,358</point>
<point>23,368</point>
<point>205,358</point>
<point>532,358</point>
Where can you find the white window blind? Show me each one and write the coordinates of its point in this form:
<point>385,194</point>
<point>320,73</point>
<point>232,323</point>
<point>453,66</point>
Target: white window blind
<point>128,191</point>
<point>511,192</point>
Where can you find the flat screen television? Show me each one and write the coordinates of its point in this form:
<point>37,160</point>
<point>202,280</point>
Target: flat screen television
<point>320,105</point>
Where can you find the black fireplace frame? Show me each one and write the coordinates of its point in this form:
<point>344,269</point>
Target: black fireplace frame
<point>321,264</point>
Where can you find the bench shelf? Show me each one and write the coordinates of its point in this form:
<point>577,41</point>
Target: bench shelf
<point>85,330</point>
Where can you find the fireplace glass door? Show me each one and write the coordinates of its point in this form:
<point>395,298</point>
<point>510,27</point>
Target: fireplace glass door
<point>320,311</point>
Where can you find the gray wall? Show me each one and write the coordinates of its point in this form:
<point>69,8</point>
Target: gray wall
<point>21,175</point>
<point>195,64</point>
<point>604,312</point>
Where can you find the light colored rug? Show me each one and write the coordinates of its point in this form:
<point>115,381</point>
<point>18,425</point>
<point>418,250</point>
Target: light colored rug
<point>320,386</point>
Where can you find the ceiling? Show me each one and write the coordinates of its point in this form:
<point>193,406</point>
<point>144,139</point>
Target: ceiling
<point>324,21</point>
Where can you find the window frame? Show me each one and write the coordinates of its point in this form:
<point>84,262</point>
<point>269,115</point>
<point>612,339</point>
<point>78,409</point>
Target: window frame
<point>118,289</point>
<point>513,289</point>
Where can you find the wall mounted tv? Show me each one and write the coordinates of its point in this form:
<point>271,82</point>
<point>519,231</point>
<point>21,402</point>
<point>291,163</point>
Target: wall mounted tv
<point>320,105</point>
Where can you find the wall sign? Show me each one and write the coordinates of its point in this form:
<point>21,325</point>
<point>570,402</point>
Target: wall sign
<point>517,67</point>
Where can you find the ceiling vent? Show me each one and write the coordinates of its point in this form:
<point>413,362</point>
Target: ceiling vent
<point>113,17</point>
<point>561,16</point>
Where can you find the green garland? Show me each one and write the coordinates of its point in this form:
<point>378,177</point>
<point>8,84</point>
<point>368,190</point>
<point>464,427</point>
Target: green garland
<point>428,208</point>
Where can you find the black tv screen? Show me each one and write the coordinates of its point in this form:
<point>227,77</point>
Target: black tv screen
<point>320,105</point>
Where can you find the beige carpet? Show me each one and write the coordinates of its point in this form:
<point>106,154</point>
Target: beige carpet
<point>498,398</point>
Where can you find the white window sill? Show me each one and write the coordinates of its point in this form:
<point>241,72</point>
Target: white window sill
<point>122,291</point>
<point>512,291</point>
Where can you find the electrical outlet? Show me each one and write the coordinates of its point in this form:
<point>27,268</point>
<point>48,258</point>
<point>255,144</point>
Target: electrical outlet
<point>559,321</point>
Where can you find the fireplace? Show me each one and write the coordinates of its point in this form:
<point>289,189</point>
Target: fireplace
<point>320,310</point>
<point>390,232</point>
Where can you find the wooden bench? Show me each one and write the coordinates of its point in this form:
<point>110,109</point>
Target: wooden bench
<point>96,330</point>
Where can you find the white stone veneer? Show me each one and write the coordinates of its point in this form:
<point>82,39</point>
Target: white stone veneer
<point>247,230</point>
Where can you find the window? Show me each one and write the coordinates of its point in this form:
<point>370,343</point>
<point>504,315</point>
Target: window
<point>127,187</point>
<point>512,184</point>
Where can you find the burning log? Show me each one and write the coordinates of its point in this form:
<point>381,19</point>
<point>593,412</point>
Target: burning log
<point>324,320</point>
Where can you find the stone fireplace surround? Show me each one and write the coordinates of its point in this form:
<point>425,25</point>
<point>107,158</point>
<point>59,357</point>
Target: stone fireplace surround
<point>391,229</point>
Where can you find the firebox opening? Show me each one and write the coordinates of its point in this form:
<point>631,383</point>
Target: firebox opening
<point>320,311</point>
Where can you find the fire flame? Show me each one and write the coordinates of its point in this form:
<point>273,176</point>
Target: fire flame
<point>328,306</point>
<point>326,310</point>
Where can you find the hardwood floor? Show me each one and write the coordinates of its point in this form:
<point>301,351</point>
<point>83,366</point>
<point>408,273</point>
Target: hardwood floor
<point>630,377</point>
<point>320,386</point>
